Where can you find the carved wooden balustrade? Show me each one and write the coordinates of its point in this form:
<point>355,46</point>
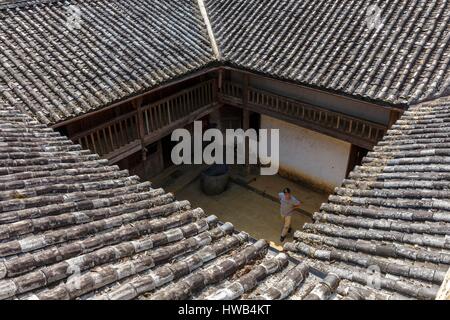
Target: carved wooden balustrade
<point>128,133</point>
<point>178,110</point>
<point>112,138</point>
<point>357,131</point>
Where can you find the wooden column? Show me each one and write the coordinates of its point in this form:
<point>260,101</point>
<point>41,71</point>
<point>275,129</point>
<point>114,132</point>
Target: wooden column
<point>220,80</point>
<point>393,117</point>
<point>245,90</point>
<point>355,158</point>
<point>246,120</point>
<point>245,113</point>
<point>160,154</point>
<point>215,90</point>
<point>137,103</point>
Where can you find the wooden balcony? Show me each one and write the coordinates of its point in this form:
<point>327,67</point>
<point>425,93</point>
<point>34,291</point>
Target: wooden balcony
<point>127,134</point>
<point>113,138</point>
<point>176,111</point>
<point>356,131</point>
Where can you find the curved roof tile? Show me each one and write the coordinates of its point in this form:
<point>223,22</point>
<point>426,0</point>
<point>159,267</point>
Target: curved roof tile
<point>330,44</point>
<point>60,60</point>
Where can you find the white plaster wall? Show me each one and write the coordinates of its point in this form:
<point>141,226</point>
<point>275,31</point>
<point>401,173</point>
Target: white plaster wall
<point>309,156</point>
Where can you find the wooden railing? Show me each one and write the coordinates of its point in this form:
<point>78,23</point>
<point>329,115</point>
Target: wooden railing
<point>172,109</point>
<point>110,136</point>
<point>357,131</point>
<point>126,134</point>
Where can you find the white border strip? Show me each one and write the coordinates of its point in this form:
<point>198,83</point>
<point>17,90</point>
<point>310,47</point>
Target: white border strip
<point>212,39</point>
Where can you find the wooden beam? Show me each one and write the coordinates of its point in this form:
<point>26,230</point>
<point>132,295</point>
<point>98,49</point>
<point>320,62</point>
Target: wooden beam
<point>290,82</point>
<point>279,111</point>
<point>103,125</point>
<point>162,132</point>
<point>215,89</point>
<point>121,102</point>
<point>245,82</point>
<point>314,127</point>
<point>137,105</point>
<point>394,115</point>
<point>124,152</point>
<point>245,118</point>
<point>220,79</point>
<point>352,159</point>
<point>160,153</point>
<point>118,138</point>
<point>219,70</point>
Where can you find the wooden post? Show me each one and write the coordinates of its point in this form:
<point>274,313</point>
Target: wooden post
<point>246,121</point>
<point>161,155</point>
<point>215,90</point>
<point>245,90</point>
<point>355,158</point>
<point>393,117</point>
<point>137,103</point>
<point>220,81</point>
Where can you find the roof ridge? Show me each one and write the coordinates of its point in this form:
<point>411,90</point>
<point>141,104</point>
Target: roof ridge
<point>212,38</point>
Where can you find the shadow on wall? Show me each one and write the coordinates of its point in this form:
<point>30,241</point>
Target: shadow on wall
<point>301,178</point>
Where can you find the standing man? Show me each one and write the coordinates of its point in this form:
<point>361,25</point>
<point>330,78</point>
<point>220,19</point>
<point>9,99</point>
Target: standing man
<point>288,204</point>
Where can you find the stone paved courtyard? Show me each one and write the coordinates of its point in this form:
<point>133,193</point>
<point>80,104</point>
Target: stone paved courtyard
<point>247,210</point>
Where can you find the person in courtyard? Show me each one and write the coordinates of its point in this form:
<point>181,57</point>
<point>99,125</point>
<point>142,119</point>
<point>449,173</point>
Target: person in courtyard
<point>288,204</point>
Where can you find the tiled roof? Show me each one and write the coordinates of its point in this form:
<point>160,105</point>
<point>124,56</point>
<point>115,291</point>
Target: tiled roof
<point>122,48</point>
<point>393,213</point>
<point>328,44</point>
<point>73,227</point>
<point>58,67</point>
